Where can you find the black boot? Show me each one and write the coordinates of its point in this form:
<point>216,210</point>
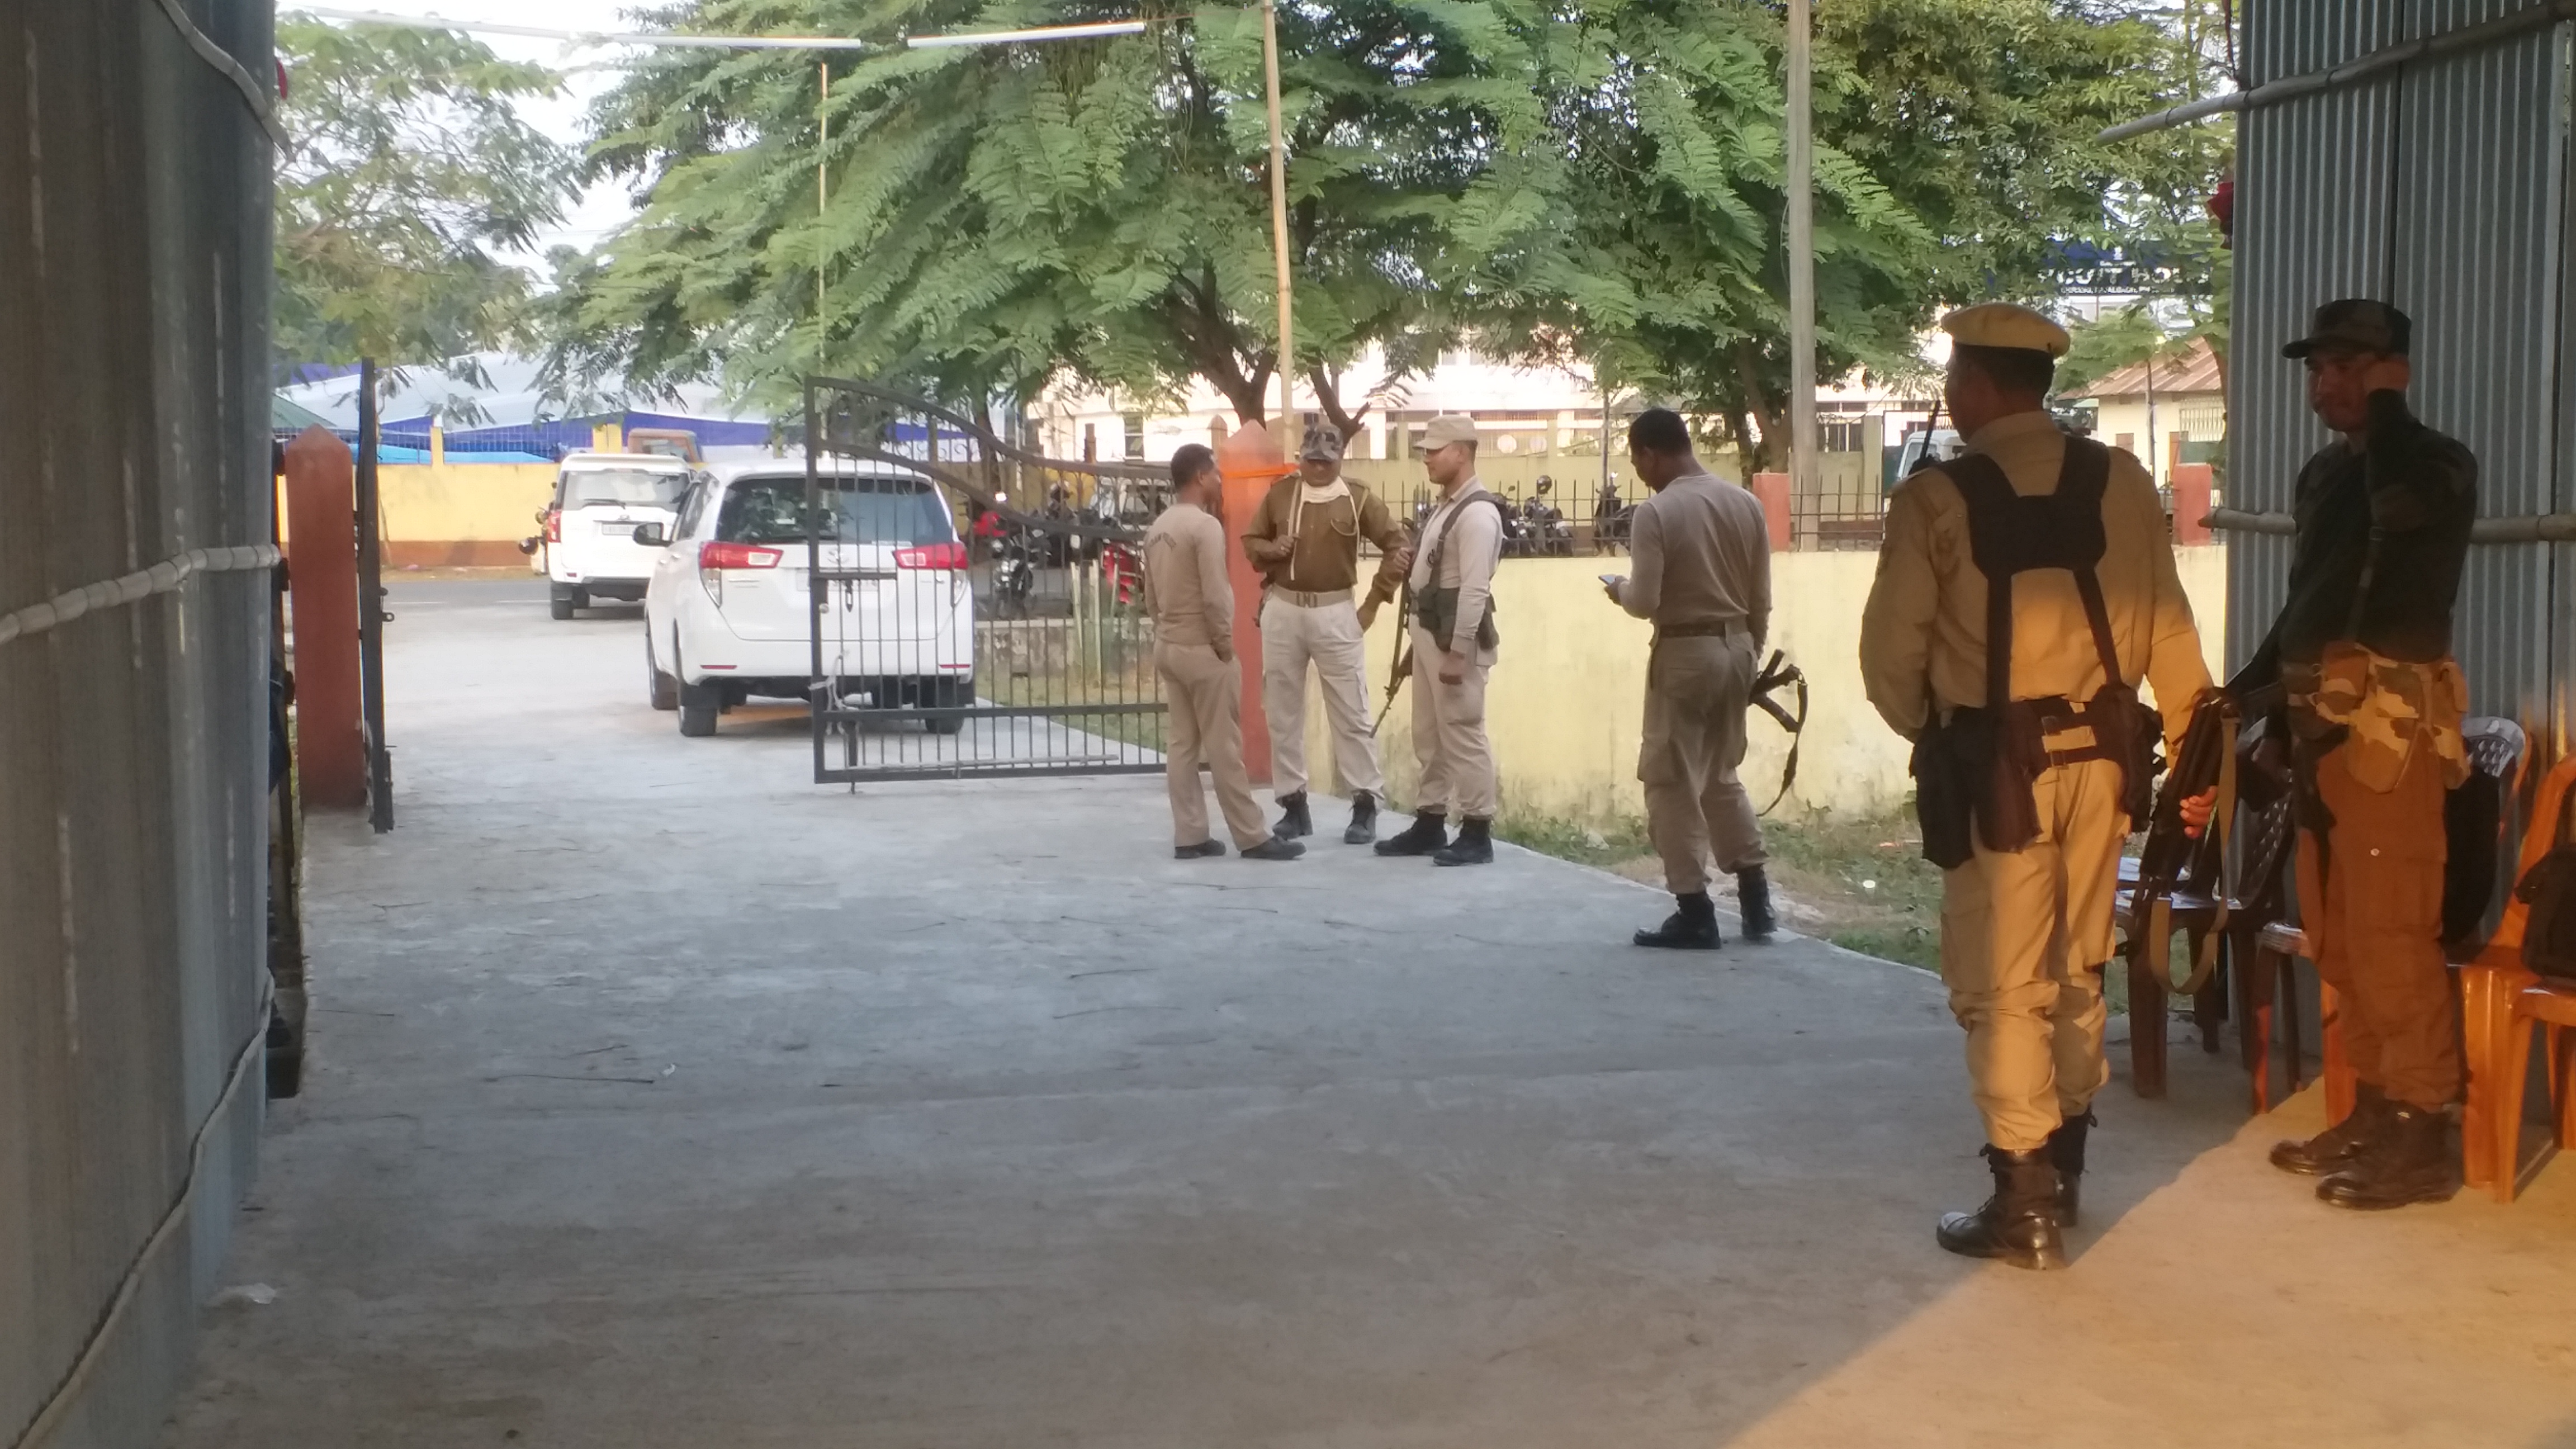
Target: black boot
<point>1205,849</point>
<point>2409,1161</point>
<point>2066,1154</point>
<point>2019,1223</point>
<point>1363,827</point>
<point>2338,1146</point>
<point>1276,848</point>
<point>1474,845</point>
<point>1753,904</point>
<point>1428,832</point>
<point>1691,927</point>
<point>1293,819</point>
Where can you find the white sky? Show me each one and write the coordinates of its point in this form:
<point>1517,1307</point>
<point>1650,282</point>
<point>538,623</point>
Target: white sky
<point>587,72</point>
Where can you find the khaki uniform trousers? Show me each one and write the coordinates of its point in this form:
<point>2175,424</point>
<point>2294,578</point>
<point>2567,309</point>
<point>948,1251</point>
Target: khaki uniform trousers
<point>1696,807</point>
<point>2024,937</point>
<point>2370,901</point>
<point>1327,636</point>
<point>1206,698</point>
<point>1449,740</point>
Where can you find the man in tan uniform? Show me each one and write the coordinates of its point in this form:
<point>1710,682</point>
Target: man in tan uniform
<point>1305,539</point>
<point>2030,870</point>
<point>1452,582</point>
<point>1192,606</point>
<point>1700,554</point>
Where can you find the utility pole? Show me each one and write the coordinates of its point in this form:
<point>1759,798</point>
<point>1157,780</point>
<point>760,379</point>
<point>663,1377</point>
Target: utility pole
<point>1802,261</point>
<point>822,208</point>
<point>1279,222</point>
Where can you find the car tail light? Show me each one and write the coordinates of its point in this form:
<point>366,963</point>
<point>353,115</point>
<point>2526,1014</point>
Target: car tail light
<point>737,556</point>
<point>950,555</point>
<point>554,525</point>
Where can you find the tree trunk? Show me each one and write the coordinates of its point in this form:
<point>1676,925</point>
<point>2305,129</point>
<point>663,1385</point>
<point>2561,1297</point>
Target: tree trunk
<point>1328,396</point>
<point>1769,412</point>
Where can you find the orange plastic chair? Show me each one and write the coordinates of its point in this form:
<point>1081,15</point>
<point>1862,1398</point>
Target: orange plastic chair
<point>2501,1000</point>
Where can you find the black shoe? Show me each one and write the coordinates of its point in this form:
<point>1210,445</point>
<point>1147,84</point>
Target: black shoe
<point>2337,1147</point>
<point>1205,849</point>
<point>1474,845</point>
<point>2410,1161</point>
<point>2019,1223</point>
<point>1753,904</point>
<point>1363,826</point>
<point>1429,832</point>
<point>2066,1154</point>
<point>1275,848</point>
<point>1293,819</point>
<point>1691,927</point>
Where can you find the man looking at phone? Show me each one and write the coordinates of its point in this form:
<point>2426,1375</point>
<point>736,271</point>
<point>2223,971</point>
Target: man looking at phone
<point>1700,568</point>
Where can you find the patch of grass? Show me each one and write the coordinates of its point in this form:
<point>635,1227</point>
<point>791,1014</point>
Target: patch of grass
<point>1610,847</point>
<point>1867,881</point>
<point>1860,883</point>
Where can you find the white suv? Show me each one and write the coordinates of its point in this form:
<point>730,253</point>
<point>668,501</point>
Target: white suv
<point>600,499</point>
<point>731,611</point>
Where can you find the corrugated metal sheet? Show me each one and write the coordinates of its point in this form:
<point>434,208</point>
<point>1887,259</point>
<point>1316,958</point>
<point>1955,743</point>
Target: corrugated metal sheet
<point>2441,188</point>
<point>134,216</point>
<point>2478,244</point>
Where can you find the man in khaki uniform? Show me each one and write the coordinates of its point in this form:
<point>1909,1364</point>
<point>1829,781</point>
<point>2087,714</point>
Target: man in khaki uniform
<point>1192,606</point>
<point>1700,552</point>
<point>1452,581</point>
<point>2025,931</point>
<point>1305,539</point>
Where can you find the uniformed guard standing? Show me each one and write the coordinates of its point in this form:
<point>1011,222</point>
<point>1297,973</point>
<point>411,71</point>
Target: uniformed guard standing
<point>1305,539</point>
<point>1192,605</point>
<point>2361,655</point>
<point>1454,642</point>
<point>1700,568</point>
<point>2023,590</point>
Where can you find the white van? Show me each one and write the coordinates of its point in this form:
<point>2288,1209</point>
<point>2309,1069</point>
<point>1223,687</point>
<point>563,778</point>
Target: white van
<point>600,499</point>
<point>732,610</point>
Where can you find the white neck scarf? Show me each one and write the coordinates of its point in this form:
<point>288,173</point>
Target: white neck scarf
<point>1323,497</point>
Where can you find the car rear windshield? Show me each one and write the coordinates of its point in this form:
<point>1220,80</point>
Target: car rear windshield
<point>638,487</point>
<point>863,510</point>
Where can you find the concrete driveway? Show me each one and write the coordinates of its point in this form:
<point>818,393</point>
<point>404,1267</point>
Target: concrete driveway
<point>660,1098</point>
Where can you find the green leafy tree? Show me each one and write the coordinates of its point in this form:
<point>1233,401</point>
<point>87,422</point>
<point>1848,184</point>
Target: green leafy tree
<point>998,217</point>
<point>1954,152</point>
<point>1597,182</point>
<point>412,172</point>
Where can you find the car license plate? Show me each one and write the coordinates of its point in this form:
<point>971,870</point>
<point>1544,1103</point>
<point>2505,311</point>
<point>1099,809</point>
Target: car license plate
<point>618,530</point>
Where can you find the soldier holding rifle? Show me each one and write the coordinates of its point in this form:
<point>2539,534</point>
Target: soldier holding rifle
<point>2359,667</point>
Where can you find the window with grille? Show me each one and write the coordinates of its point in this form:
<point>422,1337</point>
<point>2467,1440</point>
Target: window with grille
<point>1133,425</point>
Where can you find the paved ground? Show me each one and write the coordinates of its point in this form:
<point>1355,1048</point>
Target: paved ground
<point>661,1099</point>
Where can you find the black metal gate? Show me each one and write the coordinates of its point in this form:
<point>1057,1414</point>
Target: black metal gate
<point>976,606</point>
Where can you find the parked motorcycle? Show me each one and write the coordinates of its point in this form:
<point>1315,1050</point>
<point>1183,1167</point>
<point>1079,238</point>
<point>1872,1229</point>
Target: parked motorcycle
<point>1014,572</point>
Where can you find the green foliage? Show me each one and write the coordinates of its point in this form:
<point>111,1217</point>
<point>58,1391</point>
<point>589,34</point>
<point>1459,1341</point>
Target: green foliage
<point>990,218</point>
<point>1954,146</point>
<point>410,169</point>
<point>1596,182</point>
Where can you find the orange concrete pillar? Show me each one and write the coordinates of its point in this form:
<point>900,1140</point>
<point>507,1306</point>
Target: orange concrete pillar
<point>2191,487</point>
<point>1773,490</point>
<point>322,576</point>
<point>1249,460</point>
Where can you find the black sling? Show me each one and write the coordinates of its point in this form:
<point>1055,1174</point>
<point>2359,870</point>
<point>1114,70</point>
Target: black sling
<point>1981,763</point>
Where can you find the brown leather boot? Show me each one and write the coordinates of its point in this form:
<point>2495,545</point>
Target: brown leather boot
<point>2066,1154</point>
<point>2411,1160</point>
<point>2338,1146</point>
<point>2018,1225</point>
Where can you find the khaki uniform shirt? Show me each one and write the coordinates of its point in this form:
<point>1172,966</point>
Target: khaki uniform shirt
<point>1699,552</point>
<point>1475,544</point>
<point>1327,546</point>
<point>1187,593</point>
<point>1923,633</point>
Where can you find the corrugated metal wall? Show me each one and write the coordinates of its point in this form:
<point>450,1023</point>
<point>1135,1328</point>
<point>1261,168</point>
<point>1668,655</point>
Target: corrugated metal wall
<point>134,220</point>
<point>2441,188</point>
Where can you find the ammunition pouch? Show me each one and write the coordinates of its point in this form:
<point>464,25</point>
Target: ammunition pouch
<point>1974,772</point>
<point>1436,610</point>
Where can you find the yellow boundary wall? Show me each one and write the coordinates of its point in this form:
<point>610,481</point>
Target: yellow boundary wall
<point>1567,699</point>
